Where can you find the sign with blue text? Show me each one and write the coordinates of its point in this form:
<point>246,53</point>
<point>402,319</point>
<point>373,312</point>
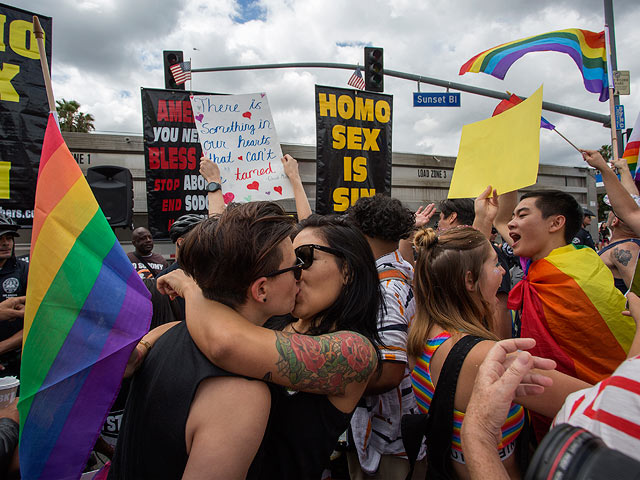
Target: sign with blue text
<point>432,99</point>
<point>620,124</point>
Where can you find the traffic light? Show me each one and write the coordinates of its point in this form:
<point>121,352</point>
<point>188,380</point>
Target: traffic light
<point>171,57</point>
<point>373,69</point>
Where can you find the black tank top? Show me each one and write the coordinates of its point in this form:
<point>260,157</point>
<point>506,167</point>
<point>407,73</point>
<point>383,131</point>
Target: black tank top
<point>302,432</point>
<point>151,444</point>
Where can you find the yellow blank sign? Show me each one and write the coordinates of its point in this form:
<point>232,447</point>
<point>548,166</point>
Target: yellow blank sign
<point>501,151</point>
<point>4,180</point>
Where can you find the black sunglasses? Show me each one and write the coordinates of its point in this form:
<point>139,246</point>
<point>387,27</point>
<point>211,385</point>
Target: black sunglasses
<point>305,253</point>
<point>297,270</point>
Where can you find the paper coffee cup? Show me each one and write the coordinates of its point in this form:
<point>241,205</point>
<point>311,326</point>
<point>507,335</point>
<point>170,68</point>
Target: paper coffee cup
<point>8,389</point>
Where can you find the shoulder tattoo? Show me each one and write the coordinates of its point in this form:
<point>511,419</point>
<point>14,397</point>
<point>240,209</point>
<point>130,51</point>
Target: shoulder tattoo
<point>622,256</point>
<point>325,363</point>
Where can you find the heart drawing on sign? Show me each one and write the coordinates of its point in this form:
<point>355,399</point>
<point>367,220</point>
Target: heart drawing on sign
<point>228,198</point>
<point>278,189</point>
<point>247,115</point>
<point>262,95</point>
<point>240,157</point>
<point>199,117</point>
<point>253,186</point>
<point>247,198</point>
<point>268,192</point>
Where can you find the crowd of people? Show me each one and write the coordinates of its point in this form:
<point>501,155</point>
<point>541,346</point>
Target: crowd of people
<point>432,349</point>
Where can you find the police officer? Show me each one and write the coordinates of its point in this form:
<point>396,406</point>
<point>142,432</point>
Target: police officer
<point>583,237</point>
<point>13,283</point>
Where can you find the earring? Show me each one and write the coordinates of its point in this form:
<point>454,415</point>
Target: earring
<point>264,299</point>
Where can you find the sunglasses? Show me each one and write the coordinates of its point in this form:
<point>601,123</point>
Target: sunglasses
<point>296,269</point>
<point>305,253</point>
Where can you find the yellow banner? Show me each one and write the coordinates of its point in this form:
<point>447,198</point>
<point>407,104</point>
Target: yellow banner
<point>5,167</point>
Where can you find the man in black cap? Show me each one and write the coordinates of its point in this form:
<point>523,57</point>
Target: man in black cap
<point>583,237</point>
<point>13,284</point>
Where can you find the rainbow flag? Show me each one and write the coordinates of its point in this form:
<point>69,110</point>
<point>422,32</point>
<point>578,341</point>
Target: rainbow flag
<point>514,100</point>
<point>632,148</point>
<point>572,308</point>
<point>86,310</point>
<point>586,48</point>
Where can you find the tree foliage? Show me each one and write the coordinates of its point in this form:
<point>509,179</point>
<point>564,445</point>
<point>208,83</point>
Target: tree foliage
<point>72,119</point>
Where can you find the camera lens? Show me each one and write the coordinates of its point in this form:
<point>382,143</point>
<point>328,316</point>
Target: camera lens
<point>568,452</point>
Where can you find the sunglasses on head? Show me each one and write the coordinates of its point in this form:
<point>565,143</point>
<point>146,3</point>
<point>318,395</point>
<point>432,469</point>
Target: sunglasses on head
<point>305,253</point>
<point>296,269</point>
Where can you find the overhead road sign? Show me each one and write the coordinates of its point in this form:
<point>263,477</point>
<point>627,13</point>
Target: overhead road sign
<point>432,99</point>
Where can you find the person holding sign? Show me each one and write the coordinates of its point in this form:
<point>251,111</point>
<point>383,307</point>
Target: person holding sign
<point>455,283</point>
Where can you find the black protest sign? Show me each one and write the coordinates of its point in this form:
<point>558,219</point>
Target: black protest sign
<point>353,147</point>
<point>172,157</point>
<point>23,110</point>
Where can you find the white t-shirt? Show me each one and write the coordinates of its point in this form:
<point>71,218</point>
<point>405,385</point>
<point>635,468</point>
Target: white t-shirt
<point>609,409</point>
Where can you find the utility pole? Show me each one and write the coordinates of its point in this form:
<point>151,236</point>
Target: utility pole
<point>608,20</point>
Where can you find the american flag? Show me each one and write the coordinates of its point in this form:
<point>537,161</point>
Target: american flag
<point>181,72</point>
<point>356,80</point>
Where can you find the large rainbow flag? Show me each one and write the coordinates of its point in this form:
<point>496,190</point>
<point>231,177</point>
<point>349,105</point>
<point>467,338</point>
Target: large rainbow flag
<point>86,310</point>
<point>572,308</point>
<point>586,48</point>
<point>632,148</point>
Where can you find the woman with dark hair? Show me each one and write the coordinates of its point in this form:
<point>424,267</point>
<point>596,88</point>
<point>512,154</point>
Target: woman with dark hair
<point>456,278</point>
<point>326,369</point>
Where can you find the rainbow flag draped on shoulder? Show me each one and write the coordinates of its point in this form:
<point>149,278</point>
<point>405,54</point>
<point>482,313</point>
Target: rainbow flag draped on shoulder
<point>586,48</point>
<point>572,308</point>
<point>86,310</point>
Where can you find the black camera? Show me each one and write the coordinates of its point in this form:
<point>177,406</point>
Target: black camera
<point>569,452</point>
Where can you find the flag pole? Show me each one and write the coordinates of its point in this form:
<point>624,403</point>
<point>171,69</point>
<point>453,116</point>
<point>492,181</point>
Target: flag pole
<point>612,109</point>
<point>567,140</point>
<point>39,34</point>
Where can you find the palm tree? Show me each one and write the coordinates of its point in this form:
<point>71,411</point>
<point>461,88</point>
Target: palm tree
<point>72,119</point>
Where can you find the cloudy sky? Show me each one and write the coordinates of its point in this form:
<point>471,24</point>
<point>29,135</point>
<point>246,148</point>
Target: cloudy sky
<point>105,50</point>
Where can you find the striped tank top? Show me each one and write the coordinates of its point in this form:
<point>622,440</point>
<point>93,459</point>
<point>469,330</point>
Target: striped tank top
<point>423,389</point>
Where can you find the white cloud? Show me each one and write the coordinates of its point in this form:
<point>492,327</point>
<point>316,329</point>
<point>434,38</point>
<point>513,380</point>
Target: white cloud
<point>101,49</point>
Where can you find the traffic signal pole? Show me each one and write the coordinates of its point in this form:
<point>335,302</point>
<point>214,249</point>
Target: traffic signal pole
<point>605,120</point>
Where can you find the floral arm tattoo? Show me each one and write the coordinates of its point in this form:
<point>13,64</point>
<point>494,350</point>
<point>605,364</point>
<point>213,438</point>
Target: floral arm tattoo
<point>324,364</point>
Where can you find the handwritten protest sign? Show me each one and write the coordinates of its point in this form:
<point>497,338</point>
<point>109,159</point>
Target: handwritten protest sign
<point>237,132</point>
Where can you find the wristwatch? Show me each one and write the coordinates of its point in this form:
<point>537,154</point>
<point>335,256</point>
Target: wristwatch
<point>213,187</point>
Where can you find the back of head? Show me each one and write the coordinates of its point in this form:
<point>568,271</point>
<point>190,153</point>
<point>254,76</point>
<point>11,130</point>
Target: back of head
<point>462,207</point>
<point>382,217</point>
<point>226,254</point>
<point>440,287</point>
<point>555,202</point>
<point>360,300</point>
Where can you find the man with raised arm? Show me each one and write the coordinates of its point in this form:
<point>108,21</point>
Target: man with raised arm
<point>619,196</point>
<point>567,300</point>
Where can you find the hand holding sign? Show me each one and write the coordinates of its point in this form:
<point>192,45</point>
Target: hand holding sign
<point>237,133</point>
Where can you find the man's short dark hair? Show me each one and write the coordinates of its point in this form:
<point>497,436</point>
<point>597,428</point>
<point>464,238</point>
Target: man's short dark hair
<point>225,254</point>
<point>463,207</point>
<point>555,202</point>
<point>382,217</point>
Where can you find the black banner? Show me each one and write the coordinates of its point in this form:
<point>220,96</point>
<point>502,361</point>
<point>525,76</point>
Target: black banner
<point>353,147</point>
<point>172,157</point>
<point>23,111</point>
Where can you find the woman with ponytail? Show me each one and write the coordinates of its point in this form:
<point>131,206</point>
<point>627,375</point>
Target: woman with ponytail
<point>456,278</point>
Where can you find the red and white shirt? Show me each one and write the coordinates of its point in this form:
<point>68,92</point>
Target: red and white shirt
<point>609,409</point>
